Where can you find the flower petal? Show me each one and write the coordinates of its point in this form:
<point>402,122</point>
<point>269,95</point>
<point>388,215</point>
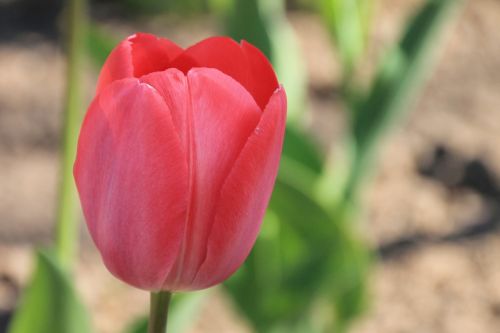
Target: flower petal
<point>136,56</point>
<point>244,63</point>
<point>263,81</point>
<point>131,175</point>
<point>172,85</point>
<point>244,197</point>
<point>219,116</point>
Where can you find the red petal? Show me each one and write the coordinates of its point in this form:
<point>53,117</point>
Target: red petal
<point>137,55</point>
<point>219,117</point>
<point>172,85</point>
<point>244,197</point>
<point>131,174</point>
<point>263,82</point>
<point>244,63</point>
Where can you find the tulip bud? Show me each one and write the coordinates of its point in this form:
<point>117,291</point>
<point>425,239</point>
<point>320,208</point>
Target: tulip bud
<point>177,158</point>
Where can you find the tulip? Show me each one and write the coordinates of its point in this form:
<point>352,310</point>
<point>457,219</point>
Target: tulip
<point>177,158</point>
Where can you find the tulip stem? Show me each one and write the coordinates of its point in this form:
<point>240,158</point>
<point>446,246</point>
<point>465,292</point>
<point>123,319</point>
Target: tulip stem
<point>67,219</point>
<point>158,311</point>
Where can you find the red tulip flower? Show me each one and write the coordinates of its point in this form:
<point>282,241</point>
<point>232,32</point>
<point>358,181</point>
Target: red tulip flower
<point>177,158</point>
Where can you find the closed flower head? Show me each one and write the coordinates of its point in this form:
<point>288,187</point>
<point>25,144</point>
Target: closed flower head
<point>177,158</point>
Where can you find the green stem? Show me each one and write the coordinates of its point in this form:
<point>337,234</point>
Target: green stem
<point>158,312</point>
<point>67,217</point>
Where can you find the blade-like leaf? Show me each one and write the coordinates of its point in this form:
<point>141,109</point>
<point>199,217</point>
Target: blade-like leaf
<point>138,326</point>
<point>398,80</point>
<point>99,44</point>
<point>301,162</point>
<point>50,304</point>
<point>185,7</point>
<point>274,285</point>
<point>184,309</point>
<point>245,21</point>
<point>348,22</point>
<point>264,24</point>
<point>302,254</point>
<point>403,71</point>
<point>287,59</point>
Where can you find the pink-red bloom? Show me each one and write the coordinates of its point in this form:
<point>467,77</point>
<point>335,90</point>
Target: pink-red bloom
<point>177,158</point>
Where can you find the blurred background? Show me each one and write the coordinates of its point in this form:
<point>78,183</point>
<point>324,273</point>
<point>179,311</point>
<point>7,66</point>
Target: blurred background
<point>415,249</point>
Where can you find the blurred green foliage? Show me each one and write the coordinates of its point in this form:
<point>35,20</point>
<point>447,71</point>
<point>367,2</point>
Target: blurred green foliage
<point>99,44</point>
<point>184,7</point>
<point>309,269</point>
<point>264,24</point>
<point>50,304</point>
<point>399,78</point>
<point>349,23</point>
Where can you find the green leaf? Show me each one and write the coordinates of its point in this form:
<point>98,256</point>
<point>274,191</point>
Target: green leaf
<point>403,71</point>
<point>99,44</point>
<point>287,58</point>
<point>301,162</point>
<point>346,280</point>
<point>300,210</point>
<point>50,304</point>
<point>400,77</point>
<point>184,309</point>
<point>219,7</point>
<point>245,21</point>
<point>264,24</point>
<point>138,326</point>
<point>304,254</point>
<point>279,280</point>
<point>348,21</point>
<point>275,284</point>
<point>154,7</point>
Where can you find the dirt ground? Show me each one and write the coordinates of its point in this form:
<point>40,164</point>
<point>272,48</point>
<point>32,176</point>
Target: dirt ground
<point>432,212</point>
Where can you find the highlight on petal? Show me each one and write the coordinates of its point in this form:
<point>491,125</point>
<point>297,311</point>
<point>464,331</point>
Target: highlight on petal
<point>214,124</point>
<point>172,85</point>
<point>137,55</point>
<point>131,174</point>
<point>244,197</point>
<point>243,62</point>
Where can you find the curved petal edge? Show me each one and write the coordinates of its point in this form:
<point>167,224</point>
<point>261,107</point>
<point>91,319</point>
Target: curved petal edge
<point>245,196</point>
<point>133,208</point>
